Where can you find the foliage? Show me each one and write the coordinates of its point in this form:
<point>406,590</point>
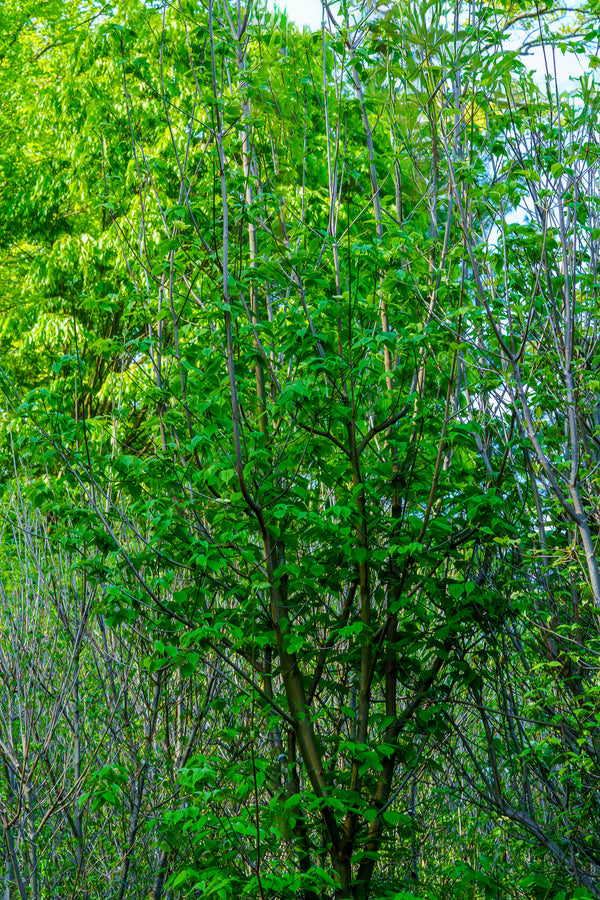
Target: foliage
<point>300,448</point>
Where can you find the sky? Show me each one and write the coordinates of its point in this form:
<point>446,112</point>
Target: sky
<point>562,66</point>
<point>309,12</point>
<point>303,12</point>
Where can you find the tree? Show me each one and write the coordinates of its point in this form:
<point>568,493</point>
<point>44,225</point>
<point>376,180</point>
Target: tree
<point>282,412</point>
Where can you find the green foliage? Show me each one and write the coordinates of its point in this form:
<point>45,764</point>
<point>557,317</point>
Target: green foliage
<point>300,456</point>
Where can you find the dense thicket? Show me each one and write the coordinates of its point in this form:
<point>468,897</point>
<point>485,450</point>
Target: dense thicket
<point>300,448</point>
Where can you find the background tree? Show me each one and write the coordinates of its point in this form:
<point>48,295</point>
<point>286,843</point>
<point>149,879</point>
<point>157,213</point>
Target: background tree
<point>284,458</point>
